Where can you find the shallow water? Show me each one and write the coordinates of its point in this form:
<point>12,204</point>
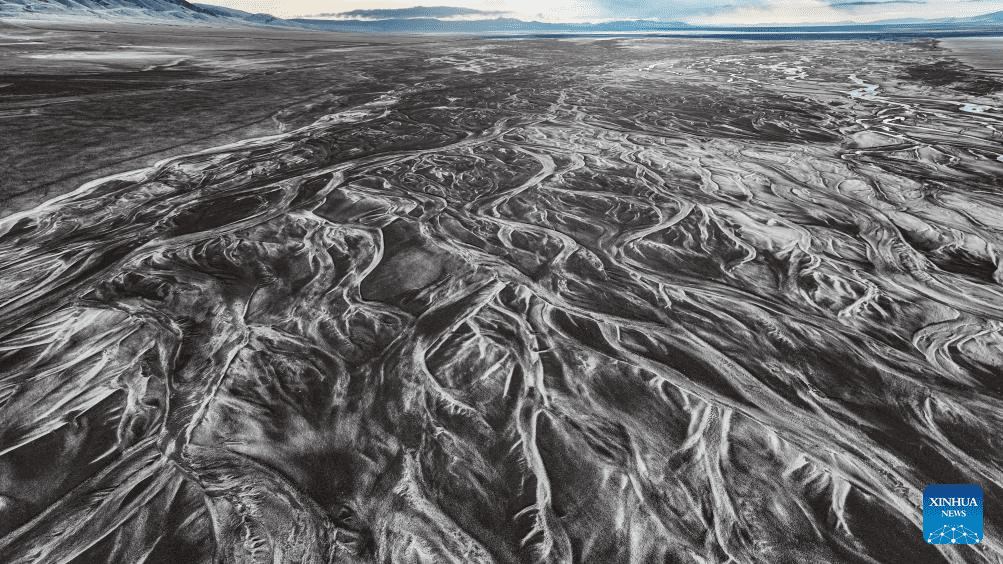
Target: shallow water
<point>542,305</point>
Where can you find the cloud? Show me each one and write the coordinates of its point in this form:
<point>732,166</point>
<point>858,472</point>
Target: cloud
<point>774,12</point>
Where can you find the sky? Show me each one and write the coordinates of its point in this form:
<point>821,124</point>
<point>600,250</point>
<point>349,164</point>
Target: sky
<point>741,12</point>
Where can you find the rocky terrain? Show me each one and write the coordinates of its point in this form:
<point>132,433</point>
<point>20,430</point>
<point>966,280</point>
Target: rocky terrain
<point>631,300</point>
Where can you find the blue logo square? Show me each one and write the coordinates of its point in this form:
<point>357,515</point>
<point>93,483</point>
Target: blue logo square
<point>952,514</point>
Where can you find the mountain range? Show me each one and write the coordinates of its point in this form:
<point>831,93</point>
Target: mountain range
<point>493,25</point>
<point>135,11</point>
<point>405,20</point>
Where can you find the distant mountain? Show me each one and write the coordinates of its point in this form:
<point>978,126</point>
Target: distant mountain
<point>984,19</point>
<point>900,21</point>
<point>495,25</point>
<point>995,17</point>
<point>441,19</point>
<point>260,19</point>
<point>134,11</point>
<point>438,12</point>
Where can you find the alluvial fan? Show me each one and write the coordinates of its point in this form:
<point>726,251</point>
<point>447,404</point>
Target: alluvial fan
<point>630,301</point>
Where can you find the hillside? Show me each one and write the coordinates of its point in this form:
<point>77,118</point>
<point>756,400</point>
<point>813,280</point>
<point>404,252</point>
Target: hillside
<point>133,11</point>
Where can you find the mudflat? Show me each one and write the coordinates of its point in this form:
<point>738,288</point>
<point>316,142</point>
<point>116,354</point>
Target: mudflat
<point>475,300</point>
<point>78,103</point>
<point>982,53</point>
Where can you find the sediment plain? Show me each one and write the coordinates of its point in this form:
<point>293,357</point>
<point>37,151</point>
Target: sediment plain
<point>472,300</point>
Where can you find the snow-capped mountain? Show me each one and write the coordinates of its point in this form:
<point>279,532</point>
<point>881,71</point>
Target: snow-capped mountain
<point>133,11</point>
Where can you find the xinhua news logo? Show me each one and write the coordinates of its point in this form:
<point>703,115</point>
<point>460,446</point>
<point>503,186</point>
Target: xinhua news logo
<point>952,514</point>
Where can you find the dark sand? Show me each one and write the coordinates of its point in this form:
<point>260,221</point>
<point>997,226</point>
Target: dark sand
<point>79,103</point>
<point>984,53</point>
